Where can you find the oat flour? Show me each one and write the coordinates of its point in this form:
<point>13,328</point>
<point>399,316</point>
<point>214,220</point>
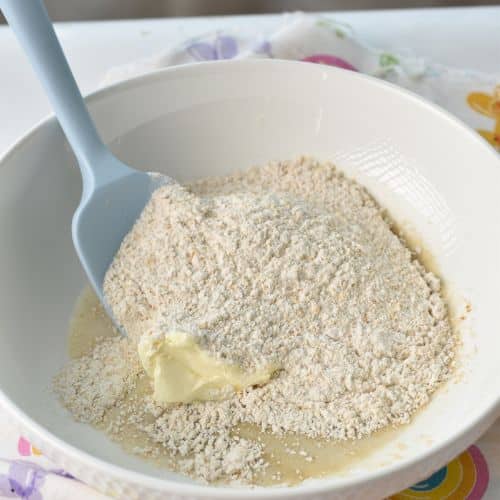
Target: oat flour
<point>293,264</point>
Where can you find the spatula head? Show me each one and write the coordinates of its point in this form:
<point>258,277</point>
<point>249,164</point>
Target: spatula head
<point>106,215</point>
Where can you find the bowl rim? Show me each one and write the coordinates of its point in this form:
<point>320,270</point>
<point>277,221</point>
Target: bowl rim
<point>467,434</point>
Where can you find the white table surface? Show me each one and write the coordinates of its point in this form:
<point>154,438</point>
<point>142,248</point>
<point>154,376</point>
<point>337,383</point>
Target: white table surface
<point>460,37</point>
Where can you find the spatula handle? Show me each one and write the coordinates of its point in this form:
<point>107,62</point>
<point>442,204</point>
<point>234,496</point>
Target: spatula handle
<point>31,25</point>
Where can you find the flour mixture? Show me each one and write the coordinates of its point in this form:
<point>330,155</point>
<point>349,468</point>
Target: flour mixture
<point>277,299</point>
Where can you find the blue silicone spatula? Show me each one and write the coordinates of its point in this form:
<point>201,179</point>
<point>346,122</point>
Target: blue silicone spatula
<point>114,194</point>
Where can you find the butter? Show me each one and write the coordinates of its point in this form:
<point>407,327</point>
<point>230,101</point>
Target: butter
<point>182,372</point>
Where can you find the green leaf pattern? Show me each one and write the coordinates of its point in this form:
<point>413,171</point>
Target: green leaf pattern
<point>386,60</point>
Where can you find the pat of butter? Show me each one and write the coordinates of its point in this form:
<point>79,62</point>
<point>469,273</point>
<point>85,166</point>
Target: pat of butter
<point>182,372</point>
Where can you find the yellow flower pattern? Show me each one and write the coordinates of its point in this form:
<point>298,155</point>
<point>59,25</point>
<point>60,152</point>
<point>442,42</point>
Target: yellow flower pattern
<point>488,105</point>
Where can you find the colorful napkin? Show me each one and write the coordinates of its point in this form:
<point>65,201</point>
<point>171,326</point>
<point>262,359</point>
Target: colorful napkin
<point>472,96</point>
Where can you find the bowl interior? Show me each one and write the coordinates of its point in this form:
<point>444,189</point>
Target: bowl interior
<point>436,178</point>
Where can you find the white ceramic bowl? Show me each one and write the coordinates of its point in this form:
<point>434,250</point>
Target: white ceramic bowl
<point>432,172</point>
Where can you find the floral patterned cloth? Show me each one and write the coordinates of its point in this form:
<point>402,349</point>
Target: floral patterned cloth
<point>26,474</point>
<point>474,97</point>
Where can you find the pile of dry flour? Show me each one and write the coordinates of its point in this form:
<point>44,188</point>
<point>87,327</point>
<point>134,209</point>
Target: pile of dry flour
<point>291,264</point>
